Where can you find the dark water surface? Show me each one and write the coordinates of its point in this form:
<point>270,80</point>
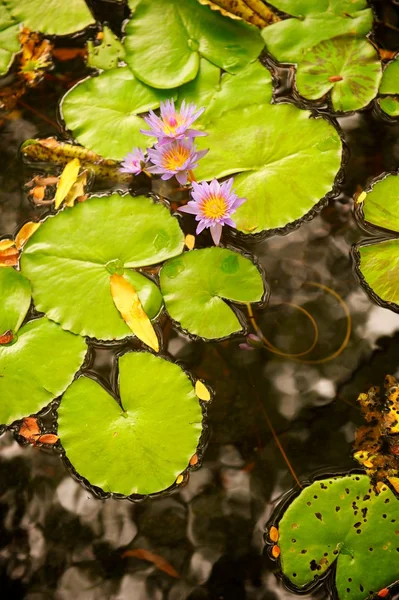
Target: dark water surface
<point>57,541</point>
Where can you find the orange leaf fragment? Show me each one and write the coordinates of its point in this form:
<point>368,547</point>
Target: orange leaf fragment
<point>47,438</point>
<point>6,338</point>
<point>29,428</point>
<point>155,559</point>
<point>383,593</point>
<point>275,551</point>
<point>6,244</point>
<point>335,78</point>
<point>194,460</point>
<point>394,481</point>
<point>128,304</point>
<point>25,233</point>
<point>9,257</point>
<point>273,534</point>
<point>38,192</point>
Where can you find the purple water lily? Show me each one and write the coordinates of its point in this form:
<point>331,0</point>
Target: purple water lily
<point>134,162</point>
<point>177,158</point>
<point>213,204</point>
<point>173,124</point>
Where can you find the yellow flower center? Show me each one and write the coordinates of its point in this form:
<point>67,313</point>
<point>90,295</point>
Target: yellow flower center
<point>175,158</point>
<point>214,207</point>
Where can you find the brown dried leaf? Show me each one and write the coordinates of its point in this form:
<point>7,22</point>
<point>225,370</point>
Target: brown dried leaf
<point>9,257</point>
<point>6,338</point>
<point>29,428</point>
<point>155,559</point>
<point>35,56</point>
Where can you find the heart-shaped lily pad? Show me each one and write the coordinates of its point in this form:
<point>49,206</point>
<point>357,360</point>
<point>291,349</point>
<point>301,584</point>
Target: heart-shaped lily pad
<point>342,520</point>
<point>93,114</point>
<point>347,66</point>
<point>141,445</point>
<point>377,262</point>
<point>71,257</point>
<point>314,22</point>
<point>15,297</point>
<point>283,160</point>
<point>9,43</point>
<point>36,368</point>
<point>389,88</point>
<point>196,284</point>
<point>166,58</point>
<point>52,17</point>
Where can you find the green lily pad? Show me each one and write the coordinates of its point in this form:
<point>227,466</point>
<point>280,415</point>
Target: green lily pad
<point>15,298</point>
<point>283,160</point>
<point>166,60</point>
<point>142,448</point>
<point>196,284</point>
<point>352,59</point>
<point>36,368</point>
<point>315,21</point>
<point>341,520</point>
<point>106,55</point>
<point>70,258</point>
<point>377,262</point>
<point>390,87</point>
<point>9,43</point>
<point>98,107</point>
<point>52,17</point>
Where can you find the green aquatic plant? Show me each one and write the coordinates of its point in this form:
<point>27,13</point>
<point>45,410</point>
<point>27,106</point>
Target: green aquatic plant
<point>9,43</point>
<point>389,89</point>
<point>376,258</point>
<point>341,521</point>
<point>141,442</point>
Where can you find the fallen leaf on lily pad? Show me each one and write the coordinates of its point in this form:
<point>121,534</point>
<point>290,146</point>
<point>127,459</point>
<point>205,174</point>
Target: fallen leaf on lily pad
<point>128,303</point>
<point>67,180</point>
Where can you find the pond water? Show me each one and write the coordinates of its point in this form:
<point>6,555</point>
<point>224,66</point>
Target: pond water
<point>57,540</point>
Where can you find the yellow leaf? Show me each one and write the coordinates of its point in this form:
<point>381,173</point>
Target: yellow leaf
<point>179,479</point>
<point>394,481</point>
<point>6,244</point>
<point>67,179</point>
<point>361,198</point>
<point>202,391</point>
<point>189,240</point>
<point>25,233</point>
<point>128,304</point>
<point>77,190</point>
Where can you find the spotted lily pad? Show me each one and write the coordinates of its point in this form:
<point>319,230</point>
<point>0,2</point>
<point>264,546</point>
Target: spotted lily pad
<point>107,54</point>
<point>9,43</point>
<point>140,442</point>
<point>377,262</point>
<point>36,368</point>
<point>93,114</point>
<point>284,161</point>
<point>314,22</point>
<point>52,17</point>
<point>341,521</point>
<point>347,66</point>
<point>71,257</point>
<point>15,297</point>
<point>166,59</point>
<point>389,89</point>
<point>196,285</point>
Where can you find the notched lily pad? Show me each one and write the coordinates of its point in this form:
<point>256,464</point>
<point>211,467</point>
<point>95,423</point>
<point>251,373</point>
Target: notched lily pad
<point>347,66</point>
<point>37,367</point>
<point>72,256</point>
<point>341,520</point>
<point>167,61</point>
<point>283,160</point>
<point>107,54</point>
<point>142,444</point>
<point>196,285</point>
<point>377,262</point>
<point>52,17</point>
<point>98,107</point>
<point>15,298</point>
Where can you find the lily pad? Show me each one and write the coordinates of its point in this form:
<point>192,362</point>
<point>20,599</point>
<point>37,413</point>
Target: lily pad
<point>71,257</point>
<point>341,520</point>
<point>170,60</point>
<point>9,43</point>
<point>196,285</point>
<point>377,262</point>
<point>315,21</point>
<point>284,161</point>
<point>390,89</point>
<point>15,297</point>
<point>93,114</point>
<point>347,66</point>
<point>107,54</point>
<point>36,368</point>
<point>52,17</point>
<point>143,447</point>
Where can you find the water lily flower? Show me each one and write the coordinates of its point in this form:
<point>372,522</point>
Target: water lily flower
<point>134,162</point>
<point>213,204</point>
<point>177,158</point>
<point>173,124</point>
